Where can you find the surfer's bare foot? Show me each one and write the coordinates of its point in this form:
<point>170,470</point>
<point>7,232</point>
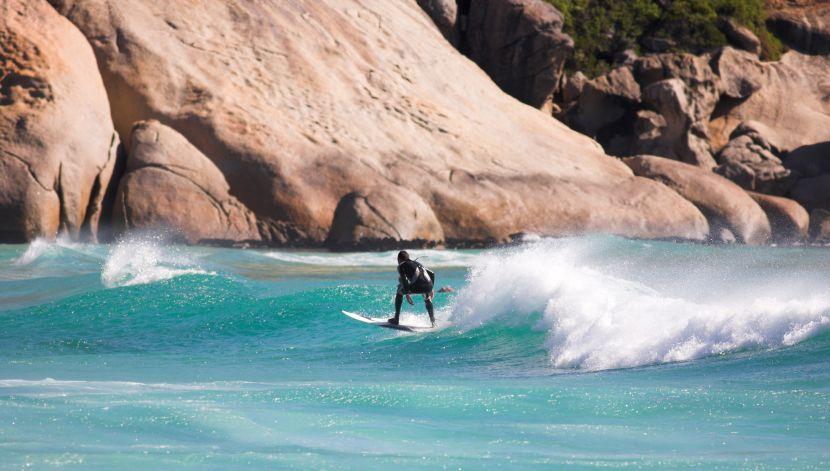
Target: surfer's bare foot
<point>392,321</point>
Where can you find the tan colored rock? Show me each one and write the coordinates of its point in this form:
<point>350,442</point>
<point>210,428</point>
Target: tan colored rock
<point>722,202</point>
<point>740,36</point>
<point>740,73</point>
<point>751,161</point>
<point>789,221</point>
<point>57,144</point>
<point>791,104</point>
<point>520,44</point>
<point>804,28</point>
<point>383,217</point>
<point>444,14</point>
<point>170,185</point>
<point>605,100</point>
<point>300,103</point>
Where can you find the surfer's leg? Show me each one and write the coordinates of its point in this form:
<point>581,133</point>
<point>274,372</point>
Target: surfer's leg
<point>428,304</point>
<point>398,304</point>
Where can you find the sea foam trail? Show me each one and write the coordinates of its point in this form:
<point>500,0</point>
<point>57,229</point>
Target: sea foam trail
<point>145,260</point>
<point>596,320</point>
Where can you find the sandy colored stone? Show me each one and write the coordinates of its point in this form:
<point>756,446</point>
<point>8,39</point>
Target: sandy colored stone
<point>383,217</point>
<point>170,186</point>
<point>791,105</point>
<point>724,203</point>
<point>301,103</point>
<point>788,220</point>
<point>444,14</point>
<point>57,144</point>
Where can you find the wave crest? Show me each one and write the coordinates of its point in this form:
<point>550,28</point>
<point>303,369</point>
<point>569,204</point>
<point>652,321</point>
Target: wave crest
<point>139,261</point>
<point>596,319</point>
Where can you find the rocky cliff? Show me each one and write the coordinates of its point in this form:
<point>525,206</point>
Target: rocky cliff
<point>274,115</point>
<point>368,123</point>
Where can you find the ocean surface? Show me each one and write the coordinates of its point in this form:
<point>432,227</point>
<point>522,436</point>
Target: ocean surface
<point>595,352</point>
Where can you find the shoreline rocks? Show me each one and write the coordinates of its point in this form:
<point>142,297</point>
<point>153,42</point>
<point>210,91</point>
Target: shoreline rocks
<point>725,205</point>
<point>169,185</point>
<point>57,143</point>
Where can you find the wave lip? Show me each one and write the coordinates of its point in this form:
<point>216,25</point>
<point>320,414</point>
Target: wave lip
<point>139,261</point>
<point>596,320</point>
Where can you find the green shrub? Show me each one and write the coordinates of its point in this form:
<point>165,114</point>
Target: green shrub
<point>603,28</point>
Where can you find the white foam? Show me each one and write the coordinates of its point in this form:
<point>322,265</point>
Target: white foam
<point>144,260</point>
<point>598,321</point>
<point>41,247</point>
<point>429,257</point>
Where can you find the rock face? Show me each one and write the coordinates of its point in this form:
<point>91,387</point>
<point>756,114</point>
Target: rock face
<point>520,44</point>
<point>791,104</point>
<point>658,104</point>
<point>725,205</point>
<point>752,162</point>
<point>170,185</point>
<point>805,28</point>
<point>383,217</point>
<point>57,144</point>
<point>300,103</point>
<point>788,220</point>
<point>444,14</point>
<point>740,73</point>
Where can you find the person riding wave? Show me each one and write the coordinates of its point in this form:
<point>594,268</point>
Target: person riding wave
<point>414,278</point>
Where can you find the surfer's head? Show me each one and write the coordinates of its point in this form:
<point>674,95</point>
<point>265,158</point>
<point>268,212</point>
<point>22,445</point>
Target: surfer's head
<point>403,256</point>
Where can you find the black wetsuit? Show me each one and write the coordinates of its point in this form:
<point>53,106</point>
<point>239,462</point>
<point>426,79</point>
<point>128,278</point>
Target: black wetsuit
<point>414,278</point>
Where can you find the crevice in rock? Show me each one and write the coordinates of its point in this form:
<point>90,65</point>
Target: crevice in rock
<point>28,168</point>
<point>382,218</point>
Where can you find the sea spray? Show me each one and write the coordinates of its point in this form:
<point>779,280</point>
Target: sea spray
<point>597,320</point>
<point>146,259</point>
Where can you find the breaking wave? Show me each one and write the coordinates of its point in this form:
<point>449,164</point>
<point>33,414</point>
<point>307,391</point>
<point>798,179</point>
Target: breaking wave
<point>597,318</point>
<point>144,260</point>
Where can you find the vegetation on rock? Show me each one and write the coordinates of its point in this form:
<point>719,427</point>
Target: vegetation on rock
<point>603,29</point>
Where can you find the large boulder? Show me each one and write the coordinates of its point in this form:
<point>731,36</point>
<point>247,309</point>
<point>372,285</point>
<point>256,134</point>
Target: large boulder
<point>740,36</point>
<point>444,14</point>
<point>725,205</point>
<point>520,44</point>
<point>791,104</point>
<point>684,90</point>
<point>805,28</point>
<point>57,143</point>
<point>300,103</point>
<point>789,221</point>
<point>170,185</point>
<point>740,73</point>
<point>752,162</point>
<point>604,100</point>
<point>383,217</point>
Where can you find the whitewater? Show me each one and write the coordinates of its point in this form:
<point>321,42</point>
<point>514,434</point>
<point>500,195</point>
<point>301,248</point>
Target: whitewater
<point>589,352</point>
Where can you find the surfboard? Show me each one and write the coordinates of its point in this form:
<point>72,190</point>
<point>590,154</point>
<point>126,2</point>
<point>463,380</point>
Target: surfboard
<point>377,321</point>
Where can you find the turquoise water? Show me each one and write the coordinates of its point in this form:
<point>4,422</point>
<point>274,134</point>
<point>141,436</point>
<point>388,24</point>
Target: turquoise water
<point>596,352</point>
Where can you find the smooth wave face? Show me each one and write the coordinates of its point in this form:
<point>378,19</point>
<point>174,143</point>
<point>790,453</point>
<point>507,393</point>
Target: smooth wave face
<point>581,353</point>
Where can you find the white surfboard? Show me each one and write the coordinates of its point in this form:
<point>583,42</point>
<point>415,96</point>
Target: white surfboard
<point>385,323</point>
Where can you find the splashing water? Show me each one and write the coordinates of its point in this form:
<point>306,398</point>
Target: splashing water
<point>137,261</point>
<point>596,320</point>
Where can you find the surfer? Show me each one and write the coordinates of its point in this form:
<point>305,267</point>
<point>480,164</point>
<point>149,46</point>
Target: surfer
<point>413,278</point>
